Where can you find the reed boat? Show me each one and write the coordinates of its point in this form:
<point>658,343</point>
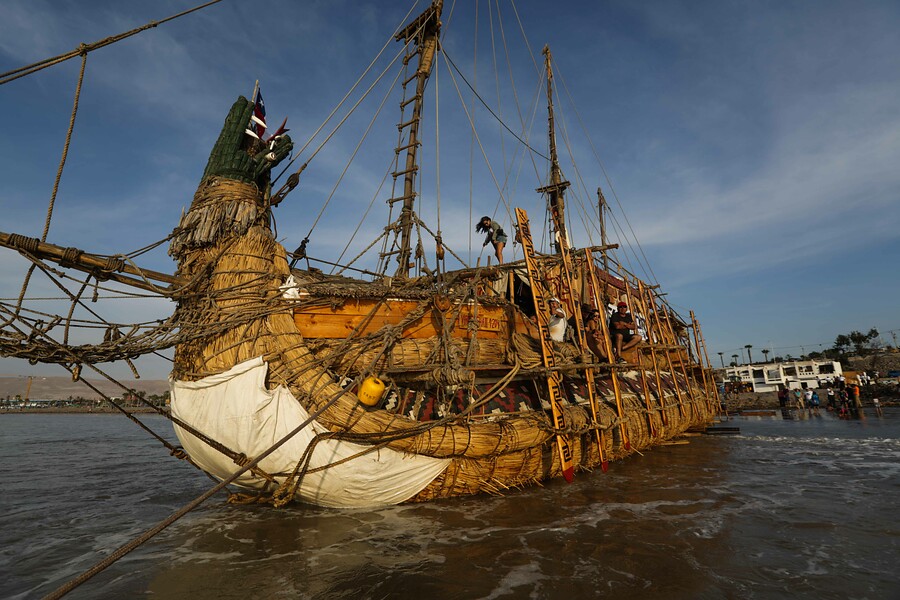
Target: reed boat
<point>412,380</point>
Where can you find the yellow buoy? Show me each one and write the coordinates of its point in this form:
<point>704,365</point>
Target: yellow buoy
<point>370,391</point>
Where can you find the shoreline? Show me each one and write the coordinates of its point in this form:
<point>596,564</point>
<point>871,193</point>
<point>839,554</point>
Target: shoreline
<point>76,410</point>
<point>754,401</point>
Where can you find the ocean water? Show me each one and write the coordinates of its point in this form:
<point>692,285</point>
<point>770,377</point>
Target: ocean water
<point>790,508</point>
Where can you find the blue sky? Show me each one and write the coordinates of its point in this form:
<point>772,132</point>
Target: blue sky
<point>752,147</point>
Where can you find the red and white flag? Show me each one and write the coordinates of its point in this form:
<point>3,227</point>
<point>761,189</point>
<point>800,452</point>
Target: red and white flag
<point>257,125</point>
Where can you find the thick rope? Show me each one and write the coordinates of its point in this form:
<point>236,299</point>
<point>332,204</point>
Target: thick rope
<point>59,172</point>
<point>150,533</point>
<point>83,49</point>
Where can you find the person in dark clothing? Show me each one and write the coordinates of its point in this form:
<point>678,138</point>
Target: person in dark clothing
<point>593,333</point>
<point>495,235</point>
<point>623,331</point>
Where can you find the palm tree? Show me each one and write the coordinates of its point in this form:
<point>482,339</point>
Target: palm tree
<point>749,358</point>
<point>734,362</point>
<point>766,353</point>
<point>722,359</point>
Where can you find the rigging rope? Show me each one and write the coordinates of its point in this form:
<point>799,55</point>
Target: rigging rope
<point>352,157</point>
<point>645,263</point>
<point>83,49</point>
<point>150,533</point>
<point>59,172</point>
<point>486,106</point>
<point>362,76</point>
<point>294,178</point>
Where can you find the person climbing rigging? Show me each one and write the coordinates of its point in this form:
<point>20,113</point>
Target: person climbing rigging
<point>495,235</point>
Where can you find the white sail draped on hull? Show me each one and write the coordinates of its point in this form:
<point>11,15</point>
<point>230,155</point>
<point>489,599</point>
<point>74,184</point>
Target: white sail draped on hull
<point>236,409</point>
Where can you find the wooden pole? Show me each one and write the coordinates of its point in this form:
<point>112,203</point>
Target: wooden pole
<point>696,327</point>
<point>640,361</point>
<point>715,388</point>
<point>681,360</point>
<point>89,263</point>
<point>601,209</point>
<point>660,392</point>
<point>554,379</point>
<point>666,351</point>
<point>595,286</point>
<point>589,373</point>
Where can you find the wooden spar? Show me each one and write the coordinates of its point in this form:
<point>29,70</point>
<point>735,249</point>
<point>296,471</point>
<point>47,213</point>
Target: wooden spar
<point>712,378</point>
<point>94,264</point>
<point>640,357</point>
<point>601,204</point>
<point>666,350</point>
<point>583,347</point>
<point>681,360</point>
<point>425,28</point>
<point>660,393</point>
<point>589,374</point>
<point>695,326</point>
<point>617,390</point>
<point>714,389</point>
<point>556,190</point>
<point>554,387</point>
<point>557,186</point>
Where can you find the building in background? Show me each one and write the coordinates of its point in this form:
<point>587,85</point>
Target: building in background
<point>798,374</point>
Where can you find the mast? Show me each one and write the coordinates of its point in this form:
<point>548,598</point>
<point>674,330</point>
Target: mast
<point>425,30</point>
<point>556,189</point>
<point>601,208</point>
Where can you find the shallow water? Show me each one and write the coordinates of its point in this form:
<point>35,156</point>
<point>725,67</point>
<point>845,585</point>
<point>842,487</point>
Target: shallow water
<point>801,508</point>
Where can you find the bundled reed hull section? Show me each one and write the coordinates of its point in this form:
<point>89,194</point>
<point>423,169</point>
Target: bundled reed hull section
<point>487,453</point>
<point>465,370</point>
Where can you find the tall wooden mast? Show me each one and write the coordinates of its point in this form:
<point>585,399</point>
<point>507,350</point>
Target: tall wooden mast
<point>556,189</point>
<point>601,209</point>
<point>424,29</point>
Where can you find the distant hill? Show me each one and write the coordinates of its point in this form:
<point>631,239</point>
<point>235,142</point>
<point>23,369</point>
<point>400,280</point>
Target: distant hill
<point>60,388</point>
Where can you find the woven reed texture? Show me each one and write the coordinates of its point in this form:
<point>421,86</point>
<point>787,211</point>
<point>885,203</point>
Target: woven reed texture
<point>241,306</point>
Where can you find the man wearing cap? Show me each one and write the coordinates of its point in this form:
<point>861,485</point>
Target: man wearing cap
<point>621,326</point>
<point>557,325</point>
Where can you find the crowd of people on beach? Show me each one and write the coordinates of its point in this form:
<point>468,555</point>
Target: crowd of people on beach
<point>842,398</point>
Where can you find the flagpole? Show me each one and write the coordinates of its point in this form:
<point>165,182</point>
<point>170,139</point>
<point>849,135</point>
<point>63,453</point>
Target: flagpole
<point>255,92</point>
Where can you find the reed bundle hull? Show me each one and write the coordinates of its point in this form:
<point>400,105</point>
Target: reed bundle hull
<point>465,412</point>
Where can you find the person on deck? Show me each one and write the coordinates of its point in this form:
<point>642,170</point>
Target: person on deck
<point>593,333</point>
<point>623,331</point>
<point>495,235</point>
<point>558,324</point>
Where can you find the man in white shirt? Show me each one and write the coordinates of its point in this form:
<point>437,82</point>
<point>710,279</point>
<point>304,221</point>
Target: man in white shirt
<point>558,323</point>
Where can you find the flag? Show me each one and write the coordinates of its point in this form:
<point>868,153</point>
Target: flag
<point>257,125</point>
